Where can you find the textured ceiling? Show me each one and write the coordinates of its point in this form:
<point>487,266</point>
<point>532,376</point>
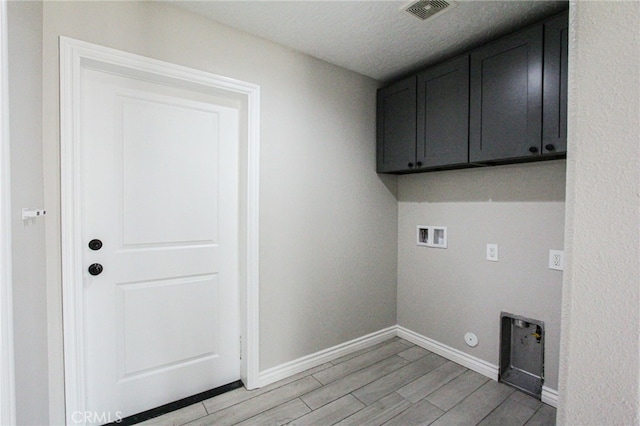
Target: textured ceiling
<point>375,38</point>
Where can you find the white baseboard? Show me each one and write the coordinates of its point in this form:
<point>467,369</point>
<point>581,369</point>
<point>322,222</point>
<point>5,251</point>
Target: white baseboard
<point>459,357</point>
<point>549,396</point>
<point>301,364</point>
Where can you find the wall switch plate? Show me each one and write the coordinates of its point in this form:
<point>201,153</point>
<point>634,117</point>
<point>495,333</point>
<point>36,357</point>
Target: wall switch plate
<point>556,260</point>
<point>492,252</point>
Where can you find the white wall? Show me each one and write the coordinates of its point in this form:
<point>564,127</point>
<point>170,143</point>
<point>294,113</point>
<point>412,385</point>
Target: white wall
<point>28,239</point>
<point>599,372</point>
<point>444,293</point>
<point>7,382</point>
<point>318,151</point>
<point>327,221</point>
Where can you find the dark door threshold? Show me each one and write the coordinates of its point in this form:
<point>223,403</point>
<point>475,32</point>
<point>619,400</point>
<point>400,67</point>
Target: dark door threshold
<point>176,405</point>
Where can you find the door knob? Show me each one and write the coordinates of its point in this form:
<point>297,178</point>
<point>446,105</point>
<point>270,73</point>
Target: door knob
<point>549,147</point>
<point>95,244</point>
<point>95,269</point>
<point>533,149</point>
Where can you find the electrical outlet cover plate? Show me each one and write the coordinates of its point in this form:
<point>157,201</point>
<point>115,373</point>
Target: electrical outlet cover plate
<point>492,252</point>
<point>556,260</point>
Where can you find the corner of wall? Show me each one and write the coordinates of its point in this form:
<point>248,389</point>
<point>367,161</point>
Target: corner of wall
<point>601,298</point>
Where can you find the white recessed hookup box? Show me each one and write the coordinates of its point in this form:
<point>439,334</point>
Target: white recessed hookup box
<point>432,236</point>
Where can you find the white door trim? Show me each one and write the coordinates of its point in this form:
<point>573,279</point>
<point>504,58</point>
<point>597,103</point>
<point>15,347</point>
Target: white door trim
<point>76,55</point>
<point>7,385</point>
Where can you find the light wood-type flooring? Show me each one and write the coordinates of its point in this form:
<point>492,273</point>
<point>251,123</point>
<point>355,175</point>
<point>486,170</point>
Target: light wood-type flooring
<point>392,383</point>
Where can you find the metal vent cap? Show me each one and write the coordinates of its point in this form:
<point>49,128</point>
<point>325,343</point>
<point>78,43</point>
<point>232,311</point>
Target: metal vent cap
<point>424,9</point>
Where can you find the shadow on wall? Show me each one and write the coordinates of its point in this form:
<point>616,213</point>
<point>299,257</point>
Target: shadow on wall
<point>530,182</point>
<point>391,182</point>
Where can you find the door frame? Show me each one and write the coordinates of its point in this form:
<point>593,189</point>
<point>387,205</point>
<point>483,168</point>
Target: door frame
<point>76,55</point>
<point>7,381</point>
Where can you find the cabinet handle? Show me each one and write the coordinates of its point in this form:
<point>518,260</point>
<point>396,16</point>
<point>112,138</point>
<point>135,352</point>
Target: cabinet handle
<point>549,147</point>
<point>533,149</point>
<point>419,164</point>
<point>410,165</point>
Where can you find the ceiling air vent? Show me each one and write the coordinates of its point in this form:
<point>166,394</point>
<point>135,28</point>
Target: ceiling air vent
<point>424,9</point>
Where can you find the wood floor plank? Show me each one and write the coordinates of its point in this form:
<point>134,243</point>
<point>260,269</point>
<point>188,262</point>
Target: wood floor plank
<point>382,387</point>
<point>476,406</point>
<point>545,416</point>
<point>358,363</point>
<point>422,413</point>
<point>524,399</point>
<point>239,395</point>
<point>430,382</point>
<point>331,413</point>
<point>456,390</point>
<point>365,350</point>
<point>230,398</point>
<point>394,383</point>
<point>348,384</point>
<point>280,415</point>
<point>254,406</point>
<point>414,353</point>
<point>378,412</point>
<point>509,413</point>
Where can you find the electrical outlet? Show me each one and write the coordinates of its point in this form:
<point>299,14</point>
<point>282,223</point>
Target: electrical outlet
<point>556,260</point>
<point>492,252</point>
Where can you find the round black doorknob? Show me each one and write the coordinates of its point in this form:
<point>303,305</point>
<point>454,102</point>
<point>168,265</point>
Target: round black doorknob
<point>549,147</point>
<point>419,164</point>
<point>95,269</point>
<point>95,244</point>
<point>410,165</point>
<point>533,149</point>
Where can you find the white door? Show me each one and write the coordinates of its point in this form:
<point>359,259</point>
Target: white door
<point>160,191</point>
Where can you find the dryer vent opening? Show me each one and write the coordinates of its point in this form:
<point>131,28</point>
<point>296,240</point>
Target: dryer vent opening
<point>522,353</point>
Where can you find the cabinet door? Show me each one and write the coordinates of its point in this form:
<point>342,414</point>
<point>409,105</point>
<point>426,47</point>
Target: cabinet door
<point>554,119</point>
<point>396,132</point>
<point>443,114</point>
<point>506,98</point>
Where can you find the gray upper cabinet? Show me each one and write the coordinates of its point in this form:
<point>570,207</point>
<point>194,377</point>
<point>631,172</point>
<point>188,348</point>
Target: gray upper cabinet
<point>396,131</point>
<point>443,114</point>
<point>504,102</point>
<point>554,118</point>
<point>506,98</point>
